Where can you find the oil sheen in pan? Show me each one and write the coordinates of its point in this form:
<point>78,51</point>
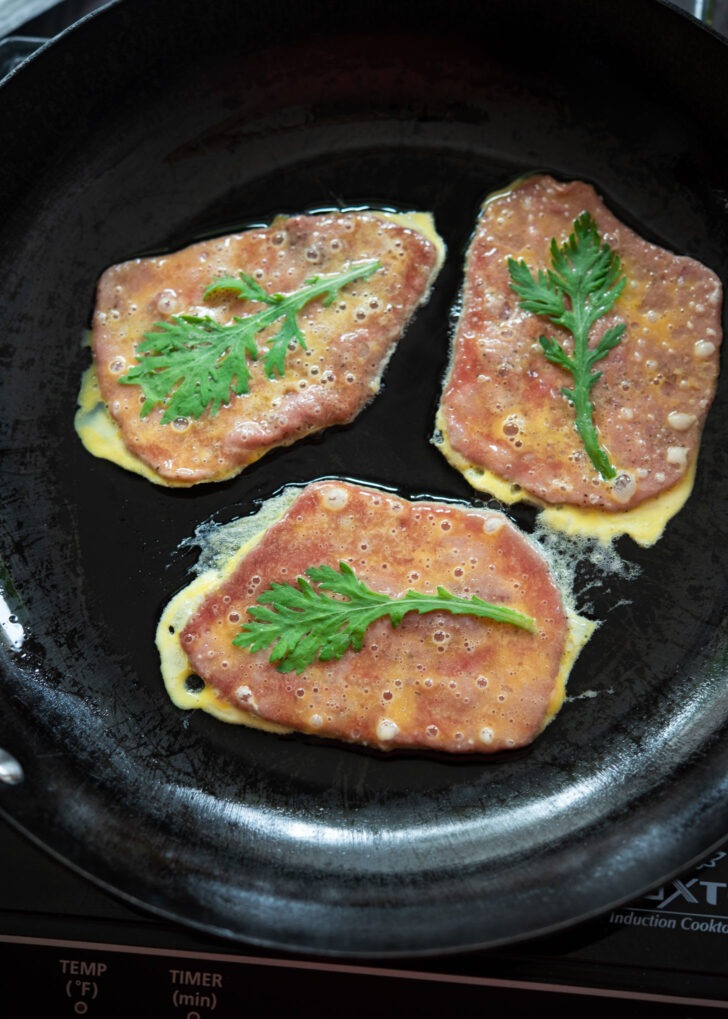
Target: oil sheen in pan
<point>182,793</point>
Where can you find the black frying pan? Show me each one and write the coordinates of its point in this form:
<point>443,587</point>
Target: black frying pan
<point>151,125</point>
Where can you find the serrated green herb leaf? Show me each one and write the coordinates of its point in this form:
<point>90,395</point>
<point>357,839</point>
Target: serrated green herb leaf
<point>191,363</point>
<point>582,285</point>
<point>301,622</point>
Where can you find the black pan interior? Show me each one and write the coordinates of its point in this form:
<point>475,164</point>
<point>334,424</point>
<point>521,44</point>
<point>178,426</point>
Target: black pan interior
<point>149,126</point>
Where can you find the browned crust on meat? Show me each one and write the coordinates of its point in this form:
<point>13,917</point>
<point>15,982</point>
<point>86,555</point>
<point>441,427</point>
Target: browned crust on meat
<point>348,343</point>
<point>501,408</point>
<point>437,681</point>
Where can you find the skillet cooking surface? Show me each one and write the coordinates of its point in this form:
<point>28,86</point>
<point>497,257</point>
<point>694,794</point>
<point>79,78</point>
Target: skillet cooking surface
<point>149,126</point>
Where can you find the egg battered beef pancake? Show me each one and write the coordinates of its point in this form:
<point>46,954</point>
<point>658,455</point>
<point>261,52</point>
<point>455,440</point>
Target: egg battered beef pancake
<point>332,348</point>
<point>503,412</point>
<point>437,680</point>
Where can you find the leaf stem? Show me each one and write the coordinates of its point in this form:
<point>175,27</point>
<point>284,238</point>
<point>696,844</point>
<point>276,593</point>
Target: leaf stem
<point>190,364</point>
<point>302,623</point>
<point>582,285</point>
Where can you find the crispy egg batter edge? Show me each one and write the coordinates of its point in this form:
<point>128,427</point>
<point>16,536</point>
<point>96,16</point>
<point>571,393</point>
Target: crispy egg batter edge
<point>645,523</point>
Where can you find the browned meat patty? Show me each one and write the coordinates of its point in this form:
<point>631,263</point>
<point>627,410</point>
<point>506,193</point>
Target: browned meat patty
<point>437,681</point>
<point>502,410</point>
<point>348,342</point>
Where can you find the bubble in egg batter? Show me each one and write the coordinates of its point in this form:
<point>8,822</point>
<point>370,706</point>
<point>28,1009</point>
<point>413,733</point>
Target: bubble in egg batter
<point>335,498</point>
<point>681,421</point>
<point>245,696</point>
<point>387,729</point>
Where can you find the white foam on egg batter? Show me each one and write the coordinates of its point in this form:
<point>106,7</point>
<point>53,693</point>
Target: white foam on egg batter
<point>586,695</point>
<point>570,558</point>
<point>220,543</point>
<point>568,555</point>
